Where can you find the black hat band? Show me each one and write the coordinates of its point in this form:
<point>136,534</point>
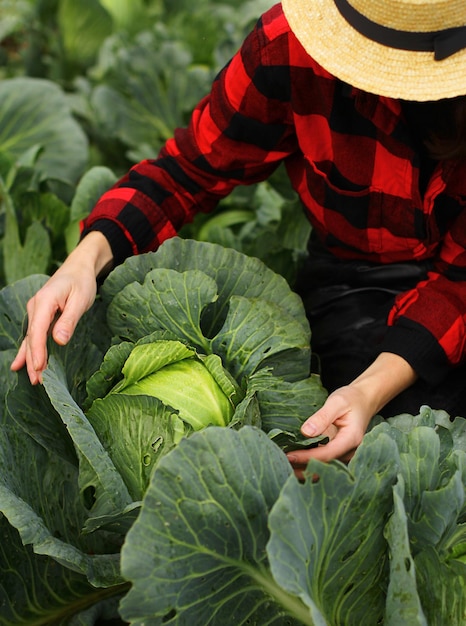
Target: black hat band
<point>443,43</point>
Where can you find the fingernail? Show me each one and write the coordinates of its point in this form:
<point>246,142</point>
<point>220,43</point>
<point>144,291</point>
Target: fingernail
<point>309,429</point>
<point>291,458</point>
<point>37,378</point>
<point>61,336</point>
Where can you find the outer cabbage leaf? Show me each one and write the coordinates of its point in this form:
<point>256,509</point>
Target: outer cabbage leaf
<point>426,534</point>
<point>30,409</point>
<point>259,334</point>
<point>97,468</point>
<point>135,431</point>
<point>35,589</point>
<point>206,511</point>
<point>29,406</point>
<point>256,333</point>
<point>41,500</point>
<point>233,272</point>
<point>403,605</point>
<point>442,588</point>
<point>40,503</point>
<point>286,405</point>
<point>327,545</point>
<point>167,300</point>
<point>432,472</point>
<point>451,430</point>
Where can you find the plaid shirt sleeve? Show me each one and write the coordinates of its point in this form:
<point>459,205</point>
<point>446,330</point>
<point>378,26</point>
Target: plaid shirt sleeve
<point>428,323</point>
<point>349,158</point>
<point>237,135</point>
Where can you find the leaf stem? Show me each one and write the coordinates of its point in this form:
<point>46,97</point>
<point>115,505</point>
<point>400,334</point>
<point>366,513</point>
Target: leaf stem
<point>74,609</point>
<point>293,605</point>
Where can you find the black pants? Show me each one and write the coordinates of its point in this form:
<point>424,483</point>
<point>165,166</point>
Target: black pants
<point>347,303</point>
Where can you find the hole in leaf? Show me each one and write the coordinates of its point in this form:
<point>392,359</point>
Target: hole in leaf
<point>170,615</point>
<point>89,497</point>
<point>348,589</point>
<point>348,555</point>
<point>155,445</point>
<point>407,564</point>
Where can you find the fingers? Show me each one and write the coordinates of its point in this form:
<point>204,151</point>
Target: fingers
<point>56,310</point>
<point>342,447</point>
<point>33,351</point>
<point>334,408</point>
<point>344,419</point>
<point>20,359</point>
<point>41,315</point>
<point>65,325</point>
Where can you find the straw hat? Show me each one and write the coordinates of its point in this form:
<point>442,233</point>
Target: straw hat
<point>409,49</point>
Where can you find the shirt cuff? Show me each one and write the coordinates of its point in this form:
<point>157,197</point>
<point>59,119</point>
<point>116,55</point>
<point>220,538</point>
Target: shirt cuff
<point>121,247</point>
<point>419,348</point>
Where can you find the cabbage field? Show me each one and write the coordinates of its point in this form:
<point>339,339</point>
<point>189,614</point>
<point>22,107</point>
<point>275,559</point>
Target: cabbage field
<point>146,482</point>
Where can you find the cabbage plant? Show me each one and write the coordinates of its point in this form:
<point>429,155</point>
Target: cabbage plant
<point>192,337</point>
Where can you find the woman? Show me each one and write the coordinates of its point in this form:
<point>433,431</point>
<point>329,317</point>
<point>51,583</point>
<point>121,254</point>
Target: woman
<point>362,101</point>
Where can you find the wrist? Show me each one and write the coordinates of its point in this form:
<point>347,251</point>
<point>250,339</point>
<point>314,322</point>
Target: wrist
<point>94,250</point>
<point>384,379</point>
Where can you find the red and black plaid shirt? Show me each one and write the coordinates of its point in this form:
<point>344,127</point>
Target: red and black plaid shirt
<point>350,157</point>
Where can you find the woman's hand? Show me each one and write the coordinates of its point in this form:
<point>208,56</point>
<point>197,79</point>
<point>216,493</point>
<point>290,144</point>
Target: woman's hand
<point>344,418</point>
<point>346,414</point>
<point>57,307</point>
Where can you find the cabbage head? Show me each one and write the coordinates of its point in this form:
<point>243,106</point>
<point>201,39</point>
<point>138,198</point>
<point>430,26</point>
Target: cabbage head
<point>197,387</point>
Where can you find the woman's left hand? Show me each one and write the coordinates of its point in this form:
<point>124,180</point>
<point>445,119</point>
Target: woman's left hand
<point>344,418</point>
<point>346,414</point>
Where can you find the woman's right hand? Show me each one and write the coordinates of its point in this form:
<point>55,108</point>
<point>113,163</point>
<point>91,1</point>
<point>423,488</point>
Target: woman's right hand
<point>58,306</point>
